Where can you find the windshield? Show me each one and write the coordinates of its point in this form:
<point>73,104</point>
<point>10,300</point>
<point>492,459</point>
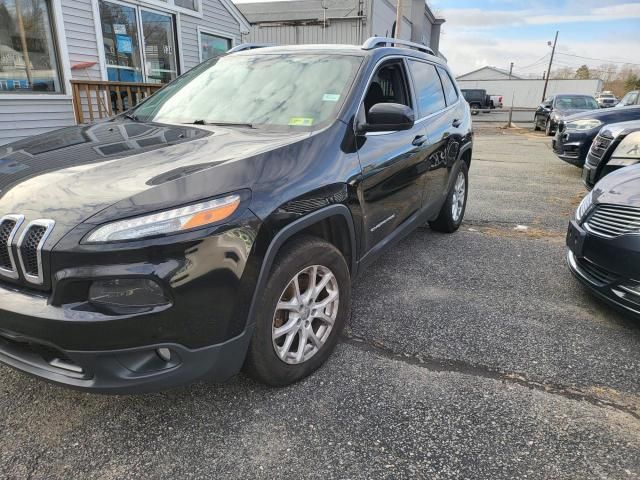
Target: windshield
<point>577,102</point>
<point>291,91</point>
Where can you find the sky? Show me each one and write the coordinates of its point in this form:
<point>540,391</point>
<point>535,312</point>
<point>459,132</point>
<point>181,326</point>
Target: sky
<point>497,32</point>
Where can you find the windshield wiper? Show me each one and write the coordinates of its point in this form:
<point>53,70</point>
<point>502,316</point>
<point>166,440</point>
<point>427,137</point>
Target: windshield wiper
<point>223,124</point>
<point>131,116</point>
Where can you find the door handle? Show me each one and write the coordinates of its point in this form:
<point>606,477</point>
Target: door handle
<point>456,123</point>
<point>419,140</point>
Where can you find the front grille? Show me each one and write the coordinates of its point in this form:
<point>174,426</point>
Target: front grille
<point>595,274</point>
<point>600,145</point>
<point>29,249</point>
<point>614,220</point>
<point>6,228</point>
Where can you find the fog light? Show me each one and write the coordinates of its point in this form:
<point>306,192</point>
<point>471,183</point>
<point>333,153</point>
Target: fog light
<point>164,354</point>
<point>127,295</point>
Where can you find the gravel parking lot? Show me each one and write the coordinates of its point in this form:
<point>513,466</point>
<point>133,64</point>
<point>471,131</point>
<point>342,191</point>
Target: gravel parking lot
<point>474,355</point>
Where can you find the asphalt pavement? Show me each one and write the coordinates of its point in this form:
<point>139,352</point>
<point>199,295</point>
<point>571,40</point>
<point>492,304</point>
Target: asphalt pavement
<point>467,356</point>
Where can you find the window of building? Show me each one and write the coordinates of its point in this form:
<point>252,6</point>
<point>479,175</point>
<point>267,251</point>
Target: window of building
<point>428,88</point>
<point>450,92</point>
<point>212,45</point>
<point>139,44</point>
<point>28,59</point>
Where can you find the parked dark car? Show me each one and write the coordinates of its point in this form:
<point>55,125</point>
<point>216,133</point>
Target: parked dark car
<point>616,146</point>
<point>575,133</point>
<point>477,99</point>
<point>630,98</point>
<point>604,240</point>
<point>220,222</point>
<point>556,107</point>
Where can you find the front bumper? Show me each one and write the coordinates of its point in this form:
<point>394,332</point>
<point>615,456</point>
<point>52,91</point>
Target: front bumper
<point>134,370</point>
<point>208,276</point>
<point>593,272</point>
<point>571,147</point>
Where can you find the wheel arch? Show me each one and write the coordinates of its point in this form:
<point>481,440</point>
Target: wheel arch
<point>333,223</point>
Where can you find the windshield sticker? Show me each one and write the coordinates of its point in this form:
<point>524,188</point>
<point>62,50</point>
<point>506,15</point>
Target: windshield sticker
<point>330,97</point>
<point>300,122</point>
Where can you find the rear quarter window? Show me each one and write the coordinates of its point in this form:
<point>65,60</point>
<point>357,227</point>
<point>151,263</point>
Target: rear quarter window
<point>450,92</point>
<point>428,87</point>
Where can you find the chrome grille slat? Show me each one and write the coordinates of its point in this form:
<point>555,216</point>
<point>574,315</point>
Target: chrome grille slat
<point>611,221</point>
<point>9,226</point>
<point>30,245</point>
<point>624,219</point>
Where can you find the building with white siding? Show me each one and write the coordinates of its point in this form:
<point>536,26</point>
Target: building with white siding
<point>340,21</point>
<point>45,44</point>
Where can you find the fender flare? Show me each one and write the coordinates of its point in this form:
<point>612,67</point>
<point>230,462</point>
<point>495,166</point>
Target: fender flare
<point>289,231</point>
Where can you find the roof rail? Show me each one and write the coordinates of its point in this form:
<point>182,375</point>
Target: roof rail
<point>249,46</point>
<point>376,42</point>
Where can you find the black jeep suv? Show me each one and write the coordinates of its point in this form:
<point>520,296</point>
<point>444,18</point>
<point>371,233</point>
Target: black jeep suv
<point>220,223</point>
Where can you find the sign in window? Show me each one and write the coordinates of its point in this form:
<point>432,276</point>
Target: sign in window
<point>152,60</point>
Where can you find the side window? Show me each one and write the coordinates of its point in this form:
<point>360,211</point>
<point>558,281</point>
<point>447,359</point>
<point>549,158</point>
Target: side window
<point>450,92</point>
<point>428,88</point>
<point>633,98</point>
<point>548,102</point>
<point>388,85</point>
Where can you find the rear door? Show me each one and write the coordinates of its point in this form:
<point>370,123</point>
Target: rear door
<point>442,120</point>
<point>393,163</point>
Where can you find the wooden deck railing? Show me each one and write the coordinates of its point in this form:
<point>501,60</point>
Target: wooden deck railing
<point>93,100</point>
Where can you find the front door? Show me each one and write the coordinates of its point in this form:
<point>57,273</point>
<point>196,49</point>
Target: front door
<point>393,163</point>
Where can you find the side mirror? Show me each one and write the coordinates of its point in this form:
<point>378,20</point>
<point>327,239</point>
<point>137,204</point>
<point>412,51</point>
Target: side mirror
<point>388,117</point>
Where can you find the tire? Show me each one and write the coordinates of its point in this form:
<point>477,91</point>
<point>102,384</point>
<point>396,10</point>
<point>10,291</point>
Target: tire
<point>475,108</point>
<point>447,222</point>
<point>536,127</point>
<point>547,128</point>
<point>298,259</point>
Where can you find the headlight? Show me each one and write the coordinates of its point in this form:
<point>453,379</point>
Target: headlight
<point>585,124</point>
<point>628,151</point>
<point>169,221</point>
<point>584,207</point>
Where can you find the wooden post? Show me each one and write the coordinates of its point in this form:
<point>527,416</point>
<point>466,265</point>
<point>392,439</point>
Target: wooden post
<point>23,41</point>
<point>546,80</point>
<point>398,19</point>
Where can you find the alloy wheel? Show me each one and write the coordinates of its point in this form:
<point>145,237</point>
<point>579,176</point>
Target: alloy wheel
<point>459,189</point>
<point>305,314</point>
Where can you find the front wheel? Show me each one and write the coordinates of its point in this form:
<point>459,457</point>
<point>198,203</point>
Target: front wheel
<point>302,312</point>
<point>452,211</point>
<point>548,128</point>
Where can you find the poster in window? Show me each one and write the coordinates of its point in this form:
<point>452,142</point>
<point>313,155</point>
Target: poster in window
<point>124,44</point>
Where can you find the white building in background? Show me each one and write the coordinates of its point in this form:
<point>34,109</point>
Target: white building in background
<point>526,93</point>
<point>340,21</point>
<point>44,44</point>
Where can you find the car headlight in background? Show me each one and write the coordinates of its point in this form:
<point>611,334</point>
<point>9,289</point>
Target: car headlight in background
<point>169,221</point>
<point>584,124</point>
<point>584,207</point>
<point>628,151</point>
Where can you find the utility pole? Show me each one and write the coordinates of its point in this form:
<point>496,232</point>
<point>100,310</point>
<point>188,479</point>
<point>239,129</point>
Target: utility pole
<point>510,70</point>
<point>398,19</point>
<point>546,80</point>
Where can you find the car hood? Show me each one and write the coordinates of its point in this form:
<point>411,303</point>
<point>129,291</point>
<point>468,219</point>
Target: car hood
<point>570,111</point>
<point>607,115</point>
<point>121,168</point>
<point>614,129</point>
<point>621,187</point>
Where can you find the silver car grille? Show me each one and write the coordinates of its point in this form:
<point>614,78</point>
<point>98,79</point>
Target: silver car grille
<point>613,220</point>
<point>600,145</point>
<point>28,248</point>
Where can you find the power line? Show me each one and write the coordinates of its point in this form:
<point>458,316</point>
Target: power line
<point>540,60</point>
<point>598,59</point>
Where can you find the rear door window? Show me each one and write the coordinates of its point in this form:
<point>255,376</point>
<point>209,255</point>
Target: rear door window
<point>429,94</point>
<point>450,92</point>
